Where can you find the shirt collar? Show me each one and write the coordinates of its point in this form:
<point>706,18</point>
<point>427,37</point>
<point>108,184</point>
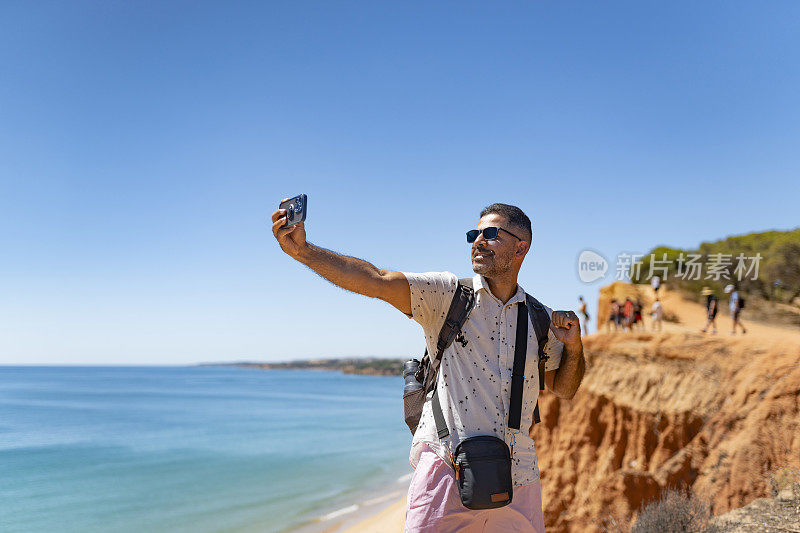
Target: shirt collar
<point>479,282</point>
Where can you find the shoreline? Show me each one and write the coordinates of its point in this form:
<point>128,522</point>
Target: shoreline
<point>377,513</point>
<point>365,366</point>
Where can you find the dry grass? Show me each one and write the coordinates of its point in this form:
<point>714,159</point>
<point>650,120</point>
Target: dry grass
<point>676,511</point>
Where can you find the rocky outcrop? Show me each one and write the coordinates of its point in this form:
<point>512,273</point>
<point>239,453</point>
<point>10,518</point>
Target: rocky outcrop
<point>778,513</point>
<point>670,409</point>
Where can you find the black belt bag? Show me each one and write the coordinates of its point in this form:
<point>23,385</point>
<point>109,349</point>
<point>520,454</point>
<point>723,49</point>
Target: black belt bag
<point>483,472</point>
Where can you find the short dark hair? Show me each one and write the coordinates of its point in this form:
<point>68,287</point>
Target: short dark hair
<point>515,216</point>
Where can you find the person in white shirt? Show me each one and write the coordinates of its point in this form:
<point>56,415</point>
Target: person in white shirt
<point>474,377</point>
<point>735,305</point>
<point>657,313</point>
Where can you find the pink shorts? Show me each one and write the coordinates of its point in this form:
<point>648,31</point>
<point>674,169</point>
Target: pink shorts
<point>434,504</point>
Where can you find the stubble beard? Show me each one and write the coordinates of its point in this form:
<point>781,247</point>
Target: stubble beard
<point>497,265</point>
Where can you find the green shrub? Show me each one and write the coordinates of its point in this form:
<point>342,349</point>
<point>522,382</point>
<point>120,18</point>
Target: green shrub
<point>778,278</point>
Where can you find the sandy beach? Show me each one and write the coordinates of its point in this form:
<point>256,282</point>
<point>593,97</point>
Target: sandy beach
<point>390,519</point>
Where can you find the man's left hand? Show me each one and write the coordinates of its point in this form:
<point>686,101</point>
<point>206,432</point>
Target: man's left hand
<point>566,327</point>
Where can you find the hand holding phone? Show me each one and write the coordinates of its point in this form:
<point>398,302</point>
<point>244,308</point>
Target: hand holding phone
<point>295,209</point>
<point>287,224</point>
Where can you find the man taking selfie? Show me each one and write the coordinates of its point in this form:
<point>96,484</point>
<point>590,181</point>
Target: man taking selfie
<point>468,415</point>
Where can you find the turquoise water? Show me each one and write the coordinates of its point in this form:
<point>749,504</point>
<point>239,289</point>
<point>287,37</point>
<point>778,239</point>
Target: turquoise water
<point>192,448</point>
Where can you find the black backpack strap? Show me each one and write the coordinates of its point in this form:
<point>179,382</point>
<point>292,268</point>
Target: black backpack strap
<point>460,307</point>
<point>541,325</point>
<point>517,379</point>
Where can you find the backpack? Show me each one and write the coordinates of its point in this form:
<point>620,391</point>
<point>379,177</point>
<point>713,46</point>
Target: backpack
<point>457,314</point>
<point>740,305</point>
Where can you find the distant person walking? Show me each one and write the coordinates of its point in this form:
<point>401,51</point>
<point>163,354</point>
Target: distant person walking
<point>736,305</point>
<point>627,313</point>
<point>712,305</point>
<point>656,312</point>
<point>613,315</point>
<point>582,311</point>
<point>637,314</point>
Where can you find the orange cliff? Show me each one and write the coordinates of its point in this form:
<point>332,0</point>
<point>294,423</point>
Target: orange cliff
<point>717,413</point>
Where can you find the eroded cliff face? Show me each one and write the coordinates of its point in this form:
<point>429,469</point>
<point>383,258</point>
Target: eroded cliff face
<point>657,410</point>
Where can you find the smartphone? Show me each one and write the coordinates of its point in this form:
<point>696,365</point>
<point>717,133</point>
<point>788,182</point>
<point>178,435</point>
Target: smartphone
<point>295,210</point>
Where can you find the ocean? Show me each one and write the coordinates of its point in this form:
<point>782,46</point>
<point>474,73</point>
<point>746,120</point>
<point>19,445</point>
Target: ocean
<point>195,449</point>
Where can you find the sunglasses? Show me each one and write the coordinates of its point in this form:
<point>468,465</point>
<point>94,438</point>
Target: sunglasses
<point>489,234</point>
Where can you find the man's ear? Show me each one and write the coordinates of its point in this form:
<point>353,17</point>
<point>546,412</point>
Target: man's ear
<point>522,248</point>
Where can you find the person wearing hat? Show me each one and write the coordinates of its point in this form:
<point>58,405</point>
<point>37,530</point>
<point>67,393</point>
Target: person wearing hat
<point>712,303</point>
<point>736,305</point>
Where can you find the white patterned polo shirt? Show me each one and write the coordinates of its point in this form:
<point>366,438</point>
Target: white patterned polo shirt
<point>474,382</point>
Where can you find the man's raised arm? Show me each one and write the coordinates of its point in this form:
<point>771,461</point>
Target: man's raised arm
<point>349,273</point>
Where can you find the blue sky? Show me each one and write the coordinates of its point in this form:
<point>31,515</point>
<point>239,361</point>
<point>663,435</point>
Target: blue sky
<point>143,147</point>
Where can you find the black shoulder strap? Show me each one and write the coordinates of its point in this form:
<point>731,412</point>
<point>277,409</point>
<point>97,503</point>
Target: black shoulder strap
<point>518,372</point>
<point>460,307</point>
<point>541,325</point>
<point>517,379</point>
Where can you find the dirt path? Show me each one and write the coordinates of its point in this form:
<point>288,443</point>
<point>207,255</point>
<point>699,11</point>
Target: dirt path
<point>692,316</point>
